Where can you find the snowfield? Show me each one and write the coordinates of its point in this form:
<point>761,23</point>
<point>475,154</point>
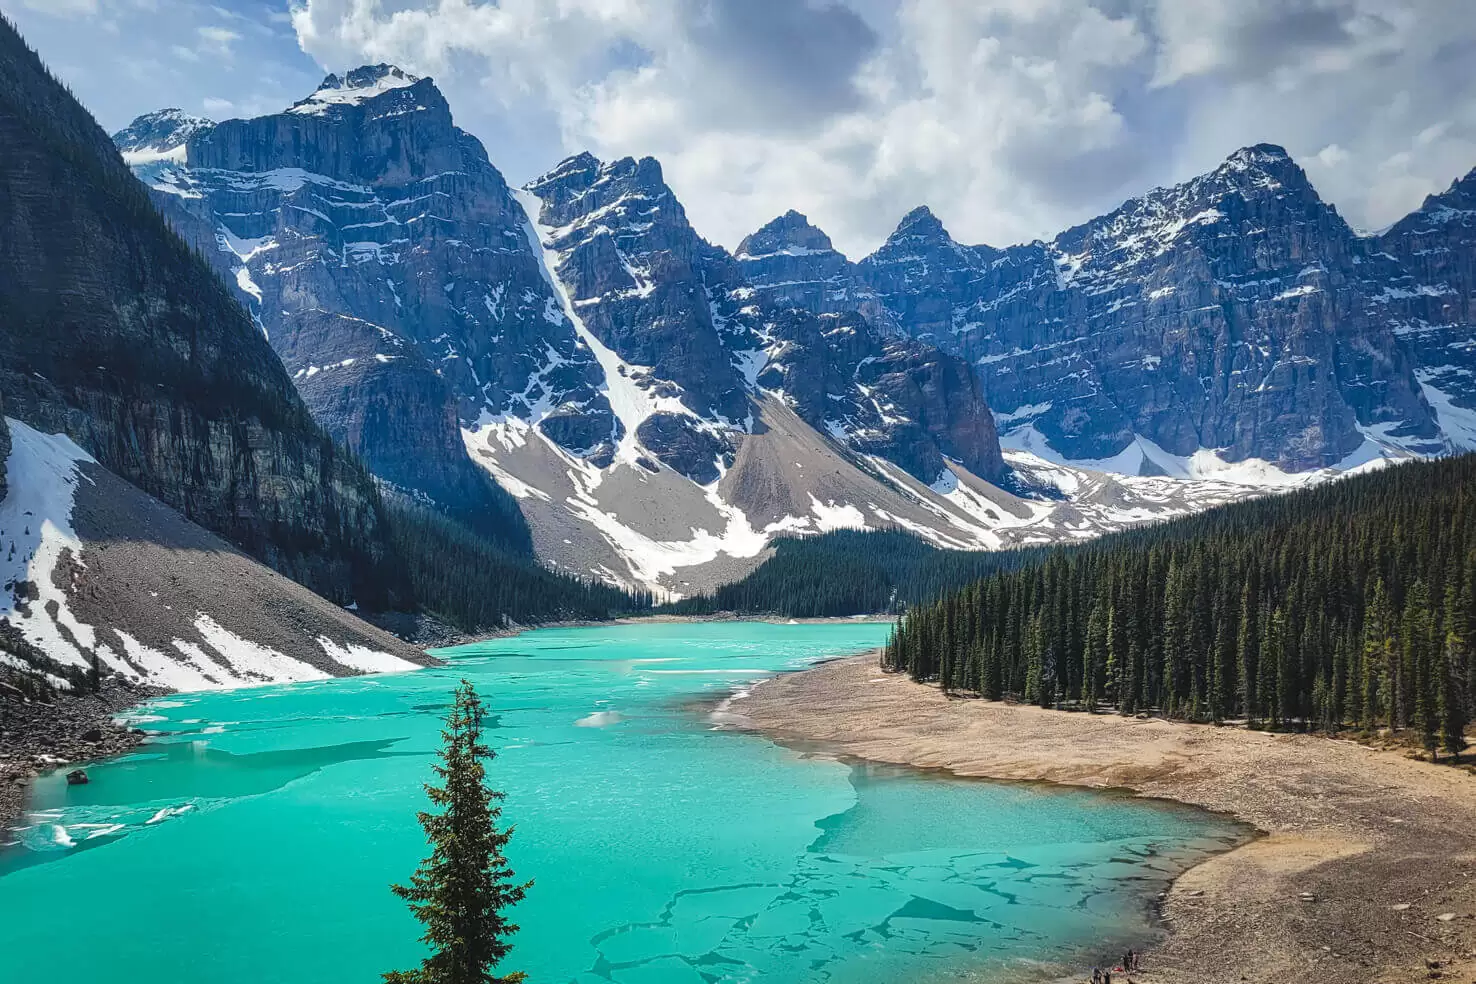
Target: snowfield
<point>41,548</point>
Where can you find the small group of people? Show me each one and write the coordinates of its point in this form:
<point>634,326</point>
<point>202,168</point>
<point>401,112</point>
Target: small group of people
<point>1132,961</point>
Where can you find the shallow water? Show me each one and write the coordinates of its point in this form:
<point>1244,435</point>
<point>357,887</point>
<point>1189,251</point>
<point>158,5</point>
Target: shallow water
<point>256,839</point>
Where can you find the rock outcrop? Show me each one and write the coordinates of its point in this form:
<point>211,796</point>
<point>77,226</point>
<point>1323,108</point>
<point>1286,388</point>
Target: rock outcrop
<point>1230,312</point>
<point>888,396</point>
<point>791,263</point>
<point>1433,307</point>
<point>641,279</point>
<point>117,335</point>
<point>361,224</point>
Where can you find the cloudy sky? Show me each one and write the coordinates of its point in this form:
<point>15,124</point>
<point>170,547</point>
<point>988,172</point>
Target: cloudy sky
<point>1011,118</point>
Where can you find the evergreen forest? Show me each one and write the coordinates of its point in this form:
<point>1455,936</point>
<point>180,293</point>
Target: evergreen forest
<point>475,584</point>
<point>1346,606</point>
<point>851,572</point>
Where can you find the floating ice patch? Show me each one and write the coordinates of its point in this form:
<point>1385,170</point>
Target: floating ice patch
<point>600,719</point>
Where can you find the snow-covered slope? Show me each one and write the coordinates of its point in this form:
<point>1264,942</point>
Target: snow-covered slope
<point>97,574</point>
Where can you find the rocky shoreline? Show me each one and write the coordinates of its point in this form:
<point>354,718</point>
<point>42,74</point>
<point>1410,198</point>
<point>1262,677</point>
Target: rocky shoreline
<point>1366,870</point>
<point>37,737</point>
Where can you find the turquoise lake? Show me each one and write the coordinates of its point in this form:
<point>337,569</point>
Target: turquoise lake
<point>253,842</point>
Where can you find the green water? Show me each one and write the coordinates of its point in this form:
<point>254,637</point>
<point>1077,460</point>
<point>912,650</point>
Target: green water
<point>254,841</point>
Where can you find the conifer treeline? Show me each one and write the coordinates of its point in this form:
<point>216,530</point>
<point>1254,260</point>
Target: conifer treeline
<point>1350,605</point>
<point>476,585</point>
<point>851,572</point>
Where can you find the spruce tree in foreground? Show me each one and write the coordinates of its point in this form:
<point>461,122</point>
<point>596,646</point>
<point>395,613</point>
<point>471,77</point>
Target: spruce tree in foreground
<point>463,890</point>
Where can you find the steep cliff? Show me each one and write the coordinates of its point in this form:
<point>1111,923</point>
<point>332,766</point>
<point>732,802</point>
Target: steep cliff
<point>1235,316</point>
<point>117,335</point>
<point>1433,307</point>
<point>1231,312</point>
<point>709,331</point>
<point>791,263</point>
<point>364,200</point>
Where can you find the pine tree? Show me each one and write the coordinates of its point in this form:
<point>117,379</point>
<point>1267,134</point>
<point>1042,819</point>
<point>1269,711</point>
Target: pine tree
<point>462,891</point>
<point>1094,666</point>
<point>1417,630</point>
<point>1247,651</point>
<point>1450,697</point>
<point>1376,650</point>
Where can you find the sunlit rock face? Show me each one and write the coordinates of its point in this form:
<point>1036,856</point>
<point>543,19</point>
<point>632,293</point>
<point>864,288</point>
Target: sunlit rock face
<point>386,260</point>
<point>117,337</point>
<point>1433,307</point>
<point>1233,312</point>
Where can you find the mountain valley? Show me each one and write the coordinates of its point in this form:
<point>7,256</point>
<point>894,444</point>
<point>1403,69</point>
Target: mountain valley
<point>660,409</point>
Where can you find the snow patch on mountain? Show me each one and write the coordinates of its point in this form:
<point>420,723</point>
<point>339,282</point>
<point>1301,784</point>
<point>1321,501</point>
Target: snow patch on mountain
<point>36,534</point>
<point>1458,423</point>
<point>631,403</point>
<point>1143,457</point>
<point>42,548</point>
<point>356,87</point>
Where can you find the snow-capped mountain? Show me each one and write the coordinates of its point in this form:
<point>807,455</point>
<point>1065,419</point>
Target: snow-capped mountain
<point>385,259</point>
<point>159,136</point>
<point>661,409</point>
<point>1236,314</point>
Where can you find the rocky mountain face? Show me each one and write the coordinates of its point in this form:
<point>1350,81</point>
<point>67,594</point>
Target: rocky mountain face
<point>1432,307</point>
<point>791,263</point>
<point>640,284</point>
<point>881,395</point>
<point>116,335</point>
<point>1230,313</point>
<point>579,331</point>
<point>659,407</point>
<point>701,336</point>
<point>387,262</point>
<point>1237,312</point>
<point>159,136</point>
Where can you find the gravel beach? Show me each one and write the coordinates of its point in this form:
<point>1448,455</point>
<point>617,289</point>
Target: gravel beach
<point>1366,871</point>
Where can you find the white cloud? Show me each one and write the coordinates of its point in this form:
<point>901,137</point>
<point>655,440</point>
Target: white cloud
<point>1331,156</point>
<point>1012,118</point>
<point>220,36</point>
<point>62,8</point>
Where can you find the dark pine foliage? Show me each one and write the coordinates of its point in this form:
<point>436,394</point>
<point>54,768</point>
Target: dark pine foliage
<point>851,572</point>
<point>462,892</point>
<point>1345,606</point>
<point>477,585</point>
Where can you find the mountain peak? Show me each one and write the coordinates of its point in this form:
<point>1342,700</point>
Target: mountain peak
<point>1261,153</point>
<point>1268,166</point>
<point>354,87</point>
<point>790,233</point>
<point>160,135</point>
<point>920,223</point>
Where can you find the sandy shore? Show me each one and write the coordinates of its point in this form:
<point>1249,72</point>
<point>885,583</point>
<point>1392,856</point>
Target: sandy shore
<point>1366,872</point>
